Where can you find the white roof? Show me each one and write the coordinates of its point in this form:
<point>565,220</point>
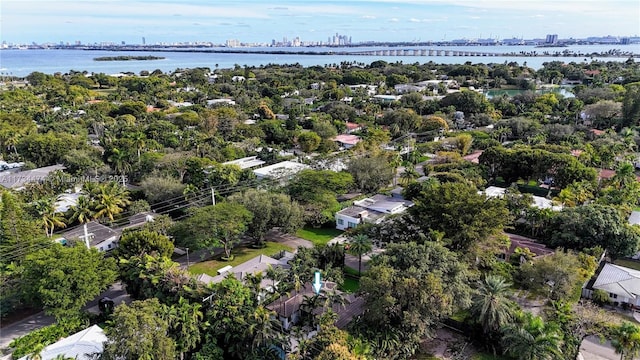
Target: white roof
<point>634,218</point>
<point>66,201</point>
<point>619,280</point>
<point>245,163</point>
<point>538,201</point>
<point>79,345</point>
<point>384,204</point>
<point>281,169</point>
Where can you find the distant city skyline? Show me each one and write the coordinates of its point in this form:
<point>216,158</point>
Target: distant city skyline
<point>252,21</point>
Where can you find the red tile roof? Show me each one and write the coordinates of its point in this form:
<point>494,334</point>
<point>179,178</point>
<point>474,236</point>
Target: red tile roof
<point>473,157</point>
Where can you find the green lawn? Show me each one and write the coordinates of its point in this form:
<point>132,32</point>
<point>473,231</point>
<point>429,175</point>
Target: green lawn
<point>318,236</point>
<point>628,263</point>
<point>241,254</point>
<point>353,272</point>
<point>350,285</point>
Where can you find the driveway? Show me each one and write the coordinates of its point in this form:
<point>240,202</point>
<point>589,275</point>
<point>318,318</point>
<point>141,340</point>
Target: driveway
<point>592,349</point>
<point>290,240</point>
<point>34,322</point>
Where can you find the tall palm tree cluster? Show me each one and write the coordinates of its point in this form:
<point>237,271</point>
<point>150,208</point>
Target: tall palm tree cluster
<point>524,336</point>
<point>98,202</point>
<point>521,335</point>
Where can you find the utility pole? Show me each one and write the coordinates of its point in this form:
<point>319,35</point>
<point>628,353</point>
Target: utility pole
<point>86,236</point>
<point>213,196</point>
<point>188,264</point>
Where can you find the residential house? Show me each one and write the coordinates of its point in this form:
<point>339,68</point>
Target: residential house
<point>386,99</point>
<point>258,264</point>
<point>316,86</point>
<point>238,78</point>
<point>370,210</point>
<point>16,180</point>
<point>538,201</point>
<point>288,307</point>
<point>369,89</point>
<point>518,241</point>
<point>408,88</point>
<point>346,141</point>
<point>83,345</point>
<point>281,170</point>
<point>352,127</point>
<point>214,102</point>
<point>246,162</point>
<point>140,219</point>
<point>621,283</point>
<point>66,201</point>
<point>99,236</point>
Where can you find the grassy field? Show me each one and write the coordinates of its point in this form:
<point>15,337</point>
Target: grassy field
<point>318,236</point>
<point>241,254</point>
<point>628,263</point>
<point>350,285</point>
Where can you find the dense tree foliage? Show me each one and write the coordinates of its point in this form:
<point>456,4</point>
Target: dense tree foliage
<point>407,291</point>
<point>63,279</point>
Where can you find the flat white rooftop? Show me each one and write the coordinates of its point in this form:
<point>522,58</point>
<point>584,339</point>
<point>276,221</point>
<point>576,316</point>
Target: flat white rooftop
<point>281,169</point>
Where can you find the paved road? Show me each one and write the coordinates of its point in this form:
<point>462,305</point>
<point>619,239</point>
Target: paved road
<point>592,349</point>
<point>116,292</point>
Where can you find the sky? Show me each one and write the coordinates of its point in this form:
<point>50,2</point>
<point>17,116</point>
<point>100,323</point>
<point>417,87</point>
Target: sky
<point>89,21</point>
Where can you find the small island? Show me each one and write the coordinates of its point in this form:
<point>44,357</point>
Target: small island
<point>127,58</point>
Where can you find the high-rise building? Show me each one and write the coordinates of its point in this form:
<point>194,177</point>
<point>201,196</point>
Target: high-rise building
<point>551,39</point>
<point>144,41</point>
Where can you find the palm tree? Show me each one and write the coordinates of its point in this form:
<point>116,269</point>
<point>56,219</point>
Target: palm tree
<point>50,218</point>
<point>263,328</point>
<point>409,174</point>
<point>120,162</point>
<point>359,245</point>
<point>83,210</point>
<point>111,200</point>
<point>395,163</point>
<point>531,339</point>
<point>276,274</point>
<point>139,142</point>
<point>625,339</point>
<point>625,174</point>
<point>490,307</point>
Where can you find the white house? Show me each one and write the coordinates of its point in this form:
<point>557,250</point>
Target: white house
<point>258,264</point>
<point>246,162</point>
<point>371,210</point>
<point>83,345</point>
<point>213,102</point>
<point>538,201</point>
<point>100,237</point>
<point>281,170</point>
<point>621,283</point>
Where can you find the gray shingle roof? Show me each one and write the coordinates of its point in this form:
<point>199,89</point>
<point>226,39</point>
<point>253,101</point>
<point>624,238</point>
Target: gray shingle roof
<point>618,280</point>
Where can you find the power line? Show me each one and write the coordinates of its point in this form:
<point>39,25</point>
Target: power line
<point>182,204</point>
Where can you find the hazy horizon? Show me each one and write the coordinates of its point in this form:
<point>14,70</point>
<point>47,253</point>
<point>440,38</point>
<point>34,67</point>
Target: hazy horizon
<point>89,21</point>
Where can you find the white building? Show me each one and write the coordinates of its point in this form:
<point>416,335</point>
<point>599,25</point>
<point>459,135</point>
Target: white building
<point>371,210</point>
<point>100,237</point>
<point>246,162</point>
<point>258,264</point>
<point>281,170</point>
<point>83,345</point>
<point>621,283</point>
<point>538,201</point>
